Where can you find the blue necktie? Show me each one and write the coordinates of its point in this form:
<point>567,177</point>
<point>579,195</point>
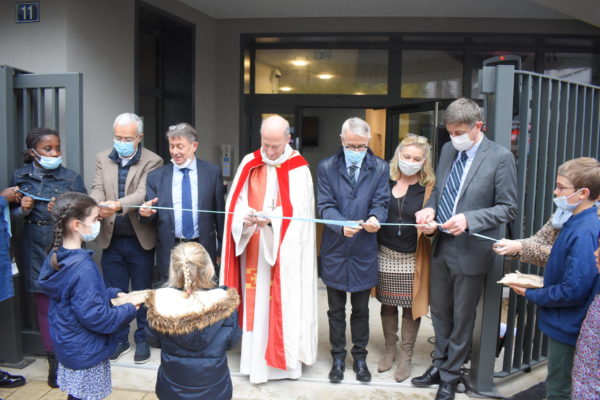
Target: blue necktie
<point>187,218</point>
<point>444,211</point>
<point>353,169</point>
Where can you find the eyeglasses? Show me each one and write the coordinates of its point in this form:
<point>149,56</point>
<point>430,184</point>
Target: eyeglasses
<point>360,147</point>
<point>125,139</point>
<point>561,188</point>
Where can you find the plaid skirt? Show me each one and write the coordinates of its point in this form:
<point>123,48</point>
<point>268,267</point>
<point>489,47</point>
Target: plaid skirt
<point>396,277</point>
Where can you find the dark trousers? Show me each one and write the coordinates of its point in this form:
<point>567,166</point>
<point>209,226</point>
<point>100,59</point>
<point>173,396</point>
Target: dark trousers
<point>560,365</point>
<point>123,261</point>
<point>359,322</point>
<point>453,304</point>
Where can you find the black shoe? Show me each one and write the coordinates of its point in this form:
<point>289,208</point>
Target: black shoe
<point>122,348</point>
<point>52,369</point>
<point>142,352</point>
<point>362,372</point>
<point>430,377</point>
<point>10,381</point>
<point>336,375</point>
<point>446,391</point>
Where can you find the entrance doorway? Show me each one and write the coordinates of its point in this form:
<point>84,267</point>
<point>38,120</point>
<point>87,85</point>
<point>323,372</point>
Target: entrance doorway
<point>164,72</point>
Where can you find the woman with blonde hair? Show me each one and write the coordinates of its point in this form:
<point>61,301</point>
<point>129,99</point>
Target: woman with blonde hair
<point>194,323</point>
<point>404,253</point>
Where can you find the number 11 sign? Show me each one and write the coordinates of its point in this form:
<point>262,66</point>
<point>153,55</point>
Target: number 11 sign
<point>28,12</point>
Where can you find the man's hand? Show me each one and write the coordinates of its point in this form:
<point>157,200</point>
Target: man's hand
<point>456,225</point>
<point>250,218</point>
<point>518,289</point>
<point>430,229</point>
<point>12,195</point>
<point>425,216</point>
<point>146,210</point>
<point>372,225</point>
<point>262,221</point>
<point>349,231</point>
<point>51,204</point>
<point>506,247</point>
<point>27,203</point>
<point>108,208</point>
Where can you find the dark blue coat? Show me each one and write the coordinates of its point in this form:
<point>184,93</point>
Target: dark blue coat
<point>81,318</point>
<point>6,280</point>
<point>570,278</point>
<point>210,197</point>
<point>350,264</point>
<point>38,238</point>
<point>193,363</point>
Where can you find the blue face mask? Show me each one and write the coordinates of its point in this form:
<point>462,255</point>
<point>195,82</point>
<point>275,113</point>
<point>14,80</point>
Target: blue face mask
<point>354,157</point>
<point>88,237</point>
<point>563,212</point>
<point>124,149</point>
<point>48,162</point>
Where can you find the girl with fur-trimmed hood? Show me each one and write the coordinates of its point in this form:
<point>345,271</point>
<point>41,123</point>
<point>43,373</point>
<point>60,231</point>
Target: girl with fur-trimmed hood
<point>194,323</point>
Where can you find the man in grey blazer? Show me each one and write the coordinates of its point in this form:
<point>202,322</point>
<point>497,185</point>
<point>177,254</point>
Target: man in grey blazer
<point>128,245</point>
<point>475,192</point>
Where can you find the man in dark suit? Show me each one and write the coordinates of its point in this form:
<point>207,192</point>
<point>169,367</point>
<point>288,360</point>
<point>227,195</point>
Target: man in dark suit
<point>188,184</point>
<point>475,192</point>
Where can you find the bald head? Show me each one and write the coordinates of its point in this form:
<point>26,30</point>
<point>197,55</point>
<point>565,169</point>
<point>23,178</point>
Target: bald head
<point>274,135</point>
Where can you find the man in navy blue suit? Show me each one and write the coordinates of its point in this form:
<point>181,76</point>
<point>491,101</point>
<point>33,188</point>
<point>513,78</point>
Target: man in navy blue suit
<point>187,184</point>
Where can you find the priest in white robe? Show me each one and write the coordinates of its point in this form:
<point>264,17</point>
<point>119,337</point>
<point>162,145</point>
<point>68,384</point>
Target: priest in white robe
<point>271,259</point>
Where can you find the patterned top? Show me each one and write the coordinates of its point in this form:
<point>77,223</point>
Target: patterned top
<point>536,249</point>
<point>586,365</point>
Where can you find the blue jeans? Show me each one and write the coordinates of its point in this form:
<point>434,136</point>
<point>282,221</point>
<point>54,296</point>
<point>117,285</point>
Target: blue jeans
<point>124,260</point>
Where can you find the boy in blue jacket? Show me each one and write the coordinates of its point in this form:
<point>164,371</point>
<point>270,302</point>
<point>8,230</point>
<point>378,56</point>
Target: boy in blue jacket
<point>570,277</point>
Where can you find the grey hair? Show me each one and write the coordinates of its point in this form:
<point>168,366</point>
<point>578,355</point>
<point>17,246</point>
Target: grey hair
<point>463,111</point>
<point>129,118</point>
<point>183,129</point>
<point>357,126</point>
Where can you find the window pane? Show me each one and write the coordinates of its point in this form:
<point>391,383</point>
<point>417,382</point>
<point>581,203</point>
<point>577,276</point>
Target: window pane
<point>527,64</point>
<point>577,67</point>
<point>431,73</point>
<point>321,71</point>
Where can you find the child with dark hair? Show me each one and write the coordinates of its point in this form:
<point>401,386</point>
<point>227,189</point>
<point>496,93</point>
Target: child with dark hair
<point>82,320</point>
<point>43,177</point>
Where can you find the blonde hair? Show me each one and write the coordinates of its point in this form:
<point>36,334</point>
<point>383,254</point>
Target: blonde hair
<point>426,175</point>
<point>582,172</point>
<point>191,268</point>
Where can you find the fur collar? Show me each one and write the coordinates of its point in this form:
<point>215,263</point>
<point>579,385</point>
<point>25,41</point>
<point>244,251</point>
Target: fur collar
<point>169,312</point>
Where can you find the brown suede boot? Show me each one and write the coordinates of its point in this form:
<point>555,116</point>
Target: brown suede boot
<point>390,327</point>
<point>409,331</point>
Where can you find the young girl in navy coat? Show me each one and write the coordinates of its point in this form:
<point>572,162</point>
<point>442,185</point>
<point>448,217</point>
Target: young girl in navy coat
<point>194,324</point>
<point>82,320</point>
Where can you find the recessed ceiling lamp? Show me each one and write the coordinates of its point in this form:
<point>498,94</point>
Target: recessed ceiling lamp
<point>358,93</point>
<point>285,89</point>
<point>299,62</point>
<point>325,76</point>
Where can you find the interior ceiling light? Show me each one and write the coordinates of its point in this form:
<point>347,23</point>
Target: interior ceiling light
<point>324,76</point>
<point>285,89</point>
<point>299,62</point>
<point>358,93</point>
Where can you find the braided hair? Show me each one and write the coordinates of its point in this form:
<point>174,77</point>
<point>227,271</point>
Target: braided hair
<point>70,205</point>
<point>33,138</point>
<point>191,268</point>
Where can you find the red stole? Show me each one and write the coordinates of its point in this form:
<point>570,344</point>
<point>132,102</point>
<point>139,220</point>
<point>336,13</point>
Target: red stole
<point>275,353</point>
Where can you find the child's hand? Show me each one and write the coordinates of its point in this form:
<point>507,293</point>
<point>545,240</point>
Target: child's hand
<point>27,203</point>
<point>518,289</point>
<point>11,194</point>
<point>51,204</point>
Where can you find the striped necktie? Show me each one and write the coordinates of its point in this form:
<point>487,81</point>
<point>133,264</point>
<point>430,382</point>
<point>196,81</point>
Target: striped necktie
<point>450,193</point>
<point>352,169</point>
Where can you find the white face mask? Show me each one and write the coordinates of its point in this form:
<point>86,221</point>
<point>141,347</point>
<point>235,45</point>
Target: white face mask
<point>409,168</point>
<point>462,142</point>
<point>185,164</point>
<point>286,154</point>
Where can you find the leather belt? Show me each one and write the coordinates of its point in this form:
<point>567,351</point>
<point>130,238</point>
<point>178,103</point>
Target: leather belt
<point>184,240</point>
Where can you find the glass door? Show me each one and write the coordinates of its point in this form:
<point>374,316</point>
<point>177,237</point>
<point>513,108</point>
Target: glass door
<point>425,118</point>
<point>257,114</point>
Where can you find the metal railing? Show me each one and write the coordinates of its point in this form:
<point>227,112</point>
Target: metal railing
<point>545,121</point>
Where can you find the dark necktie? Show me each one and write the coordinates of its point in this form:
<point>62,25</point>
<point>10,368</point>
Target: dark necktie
<point>444,211</point>
<point>187,218</point>
<point>353,169</point>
